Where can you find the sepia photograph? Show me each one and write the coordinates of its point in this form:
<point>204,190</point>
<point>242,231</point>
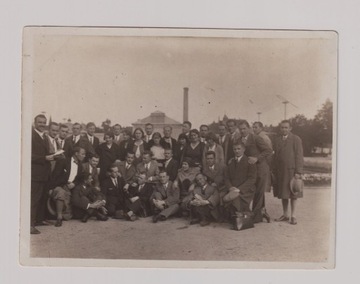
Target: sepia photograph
<point>187,148</point>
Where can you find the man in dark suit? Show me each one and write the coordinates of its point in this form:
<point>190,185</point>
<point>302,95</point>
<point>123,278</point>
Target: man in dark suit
<point>257,151</point>
<point>204,130</point>
<point>127,169</point>
<point>165,198</point>
<point>288,164</point>
<point>149,129</point>
<point>171,166</point>
<point>53,148</point>
<point>223,141</point>
<point>91,141</point>
<point>40,167</point>
<point>240,178</point>
<point>215,175</point>
<point>63,180</point>
<point>118,136</point>
<point>91,168</point>
<point>149,167</point>
<point>88,201</point>
<point>144,190</point>
<point>167,141</point>
<point>63,143</point>
<point>118,201</point>
<point>234,137</point>
<point>75,140</point>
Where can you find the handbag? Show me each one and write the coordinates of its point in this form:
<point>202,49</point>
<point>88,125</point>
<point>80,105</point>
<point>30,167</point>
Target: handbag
<point>243,221</point>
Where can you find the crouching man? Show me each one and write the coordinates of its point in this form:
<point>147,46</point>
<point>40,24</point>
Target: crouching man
<point>87,201</point>
<point>165,198</point>
<point>202,202</point>
<point>240,178</point>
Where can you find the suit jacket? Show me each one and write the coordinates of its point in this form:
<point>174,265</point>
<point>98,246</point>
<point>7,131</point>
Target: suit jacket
<point>82,195</point>
<point>107,157</point>
<point>129,175</point>
<point>125,146</point>
<point>225,146</point>
<point>70,145</point>
<point>167,145</point>
<point>257,147</point>
<point>111,192</point>
<point>241,175</point>
<point>219,155</point>
<point>94,174</point>
<point>215,176</point>
<point>61,173</point>
<point>144,193</point>
<point>172,169</point>
<point>170,194</point>
<point>209,193</point>
<point>233,138</point>
<point>40,167</point>
<point>152,172</point>
<point>66,147</point>
<point>90,148</point>
<point>289,154</point>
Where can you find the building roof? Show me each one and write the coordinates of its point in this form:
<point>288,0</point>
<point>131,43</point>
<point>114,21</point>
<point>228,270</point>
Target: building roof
<point>157,117</point>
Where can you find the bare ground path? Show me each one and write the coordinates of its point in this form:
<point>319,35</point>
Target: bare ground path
<point>175,239</point>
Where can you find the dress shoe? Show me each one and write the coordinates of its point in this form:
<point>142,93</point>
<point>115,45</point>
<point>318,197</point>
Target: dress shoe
<point>293,221</point>
<point>266,216</point>
<point>156,218</point>
<point>133,218</point>
<point>58,223</point>
<point>282,219</point>
<point>101,217</point>
<point>194,221</point>
<point>34,231</point>
<point>162,218</point>
<point>85,218</point>
<point>204,223</point>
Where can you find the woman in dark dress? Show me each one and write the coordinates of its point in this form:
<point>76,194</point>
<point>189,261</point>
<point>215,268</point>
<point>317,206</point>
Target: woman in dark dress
<point>180,147</point>
<point>108,153</point>
<point>194,150</point>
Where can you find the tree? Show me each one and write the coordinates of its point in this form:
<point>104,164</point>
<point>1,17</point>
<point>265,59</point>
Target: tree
<point>324,123</point>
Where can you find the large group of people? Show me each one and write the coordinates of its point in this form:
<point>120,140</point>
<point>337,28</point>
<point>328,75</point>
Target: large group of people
<point>202,176</point>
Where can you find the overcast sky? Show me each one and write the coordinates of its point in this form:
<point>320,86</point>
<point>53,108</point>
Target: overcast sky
<point>91,78</point>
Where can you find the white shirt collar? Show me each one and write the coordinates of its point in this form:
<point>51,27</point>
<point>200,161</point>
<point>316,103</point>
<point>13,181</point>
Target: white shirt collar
<point>41,134</point>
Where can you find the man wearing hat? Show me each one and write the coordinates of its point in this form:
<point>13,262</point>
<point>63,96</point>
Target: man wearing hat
<point>240,178</point>
<point>288,165</point>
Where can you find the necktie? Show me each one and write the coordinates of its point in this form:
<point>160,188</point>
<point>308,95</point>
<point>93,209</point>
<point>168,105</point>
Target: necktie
<point>116,184</point>
<point>91,140</point>
<point>74,139</point>
<point>61,143</point>
<point>127,166</point>
<point>243,140</point>
<point>54,144</point>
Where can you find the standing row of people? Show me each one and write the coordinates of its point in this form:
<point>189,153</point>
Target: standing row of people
<point>201,174</point>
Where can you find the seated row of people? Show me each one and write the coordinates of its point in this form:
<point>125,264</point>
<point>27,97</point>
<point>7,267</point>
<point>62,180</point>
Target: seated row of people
<point>128,191</point>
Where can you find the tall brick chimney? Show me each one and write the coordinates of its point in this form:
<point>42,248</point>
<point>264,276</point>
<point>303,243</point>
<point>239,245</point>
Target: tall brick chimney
<point>186,105</point>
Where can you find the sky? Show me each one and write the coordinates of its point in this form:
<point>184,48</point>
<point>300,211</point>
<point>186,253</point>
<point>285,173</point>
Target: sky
<point>125,78</point>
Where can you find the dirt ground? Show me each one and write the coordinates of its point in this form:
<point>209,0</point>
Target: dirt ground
<point>175,239</point>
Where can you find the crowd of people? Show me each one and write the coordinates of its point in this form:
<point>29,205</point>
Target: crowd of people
<point>203,176</point>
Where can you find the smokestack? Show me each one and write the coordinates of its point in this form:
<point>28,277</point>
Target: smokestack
<point>186,105</point>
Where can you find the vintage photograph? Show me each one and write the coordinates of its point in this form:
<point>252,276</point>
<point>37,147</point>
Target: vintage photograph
<point>193,148</point>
